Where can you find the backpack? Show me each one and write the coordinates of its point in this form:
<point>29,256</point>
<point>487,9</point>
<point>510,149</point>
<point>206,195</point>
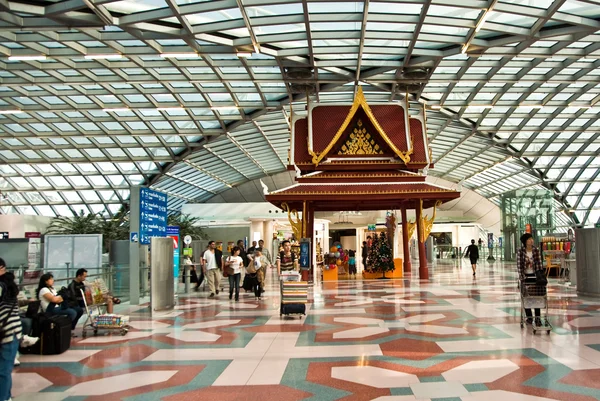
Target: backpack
<point>282,255</point>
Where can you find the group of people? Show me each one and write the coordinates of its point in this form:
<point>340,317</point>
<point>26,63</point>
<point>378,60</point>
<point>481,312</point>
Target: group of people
<point>16,327</point>
<point>253,262</point>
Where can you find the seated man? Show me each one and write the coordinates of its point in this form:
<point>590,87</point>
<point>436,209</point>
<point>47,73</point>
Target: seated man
<point>79,284</point>
<point>75,288</point>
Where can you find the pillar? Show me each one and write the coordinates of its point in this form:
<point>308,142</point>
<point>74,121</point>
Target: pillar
<point>308,218</point>
<point>405,239</point>
<point>423,270</point>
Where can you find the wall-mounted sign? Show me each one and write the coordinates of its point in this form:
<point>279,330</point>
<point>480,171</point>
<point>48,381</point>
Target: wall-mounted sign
<point>490,240</point>
<point>134,237</point>
<point>305,253</point>
<point>372,227</point>
<point>33,235</point>
<point>153,215</point>
<point>3,235</point>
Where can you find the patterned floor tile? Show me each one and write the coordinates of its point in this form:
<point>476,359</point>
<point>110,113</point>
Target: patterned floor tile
<point>453,338</point>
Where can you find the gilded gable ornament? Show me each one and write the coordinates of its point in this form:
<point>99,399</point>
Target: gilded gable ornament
<point>360,142</point>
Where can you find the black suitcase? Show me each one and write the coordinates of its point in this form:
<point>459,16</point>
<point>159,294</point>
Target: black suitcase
<point>248,283</point>
<point>54,333</point>
<point>292,309</point>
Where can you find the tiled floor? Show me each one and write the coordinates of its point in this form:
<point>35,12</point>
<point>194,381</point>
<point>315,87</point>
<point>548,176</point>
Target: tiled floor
<point>452,338</point>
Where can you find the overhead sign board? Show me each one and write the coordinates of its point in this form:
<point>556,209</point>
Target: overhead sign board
<point>153,215</point>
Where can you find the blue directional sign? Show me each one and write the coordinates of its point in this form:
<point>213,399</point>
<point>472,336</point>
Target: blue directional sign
<point>134,237</point>
<point>153,215</point>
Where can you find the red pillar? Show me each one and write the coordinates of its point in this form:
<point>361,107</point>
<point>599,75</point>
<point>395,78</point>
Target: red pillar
<point>407,264</point>
<point>423,270</point>
<point>310,233</point>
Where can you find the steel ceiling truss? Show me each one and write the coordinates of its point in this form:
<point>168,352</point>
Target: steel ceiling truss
<point>194,126</point>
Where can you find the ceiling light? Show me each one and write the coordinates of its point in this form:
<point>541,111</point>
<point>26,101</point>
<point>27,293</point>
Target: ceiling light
<point>102,56</point>
<point>482,21</point>
<point>220,108</point>
<point>464,48</point>
<point>27,58</point>
<point>170,108</point>
<point>180,55</point>
<point>436,106</point>
<point>116,110</point>
<point>244,54</point>
<point>15,111</point>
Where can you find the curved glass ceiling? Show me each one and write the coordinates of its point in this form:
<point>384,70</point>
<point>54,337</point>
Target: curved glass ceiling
<point>194,97</point>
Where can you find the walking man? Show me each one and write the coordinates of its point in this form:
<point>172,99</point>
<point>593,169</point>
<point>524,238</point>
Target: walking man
<point>473,254</point>
<point>212,267</point>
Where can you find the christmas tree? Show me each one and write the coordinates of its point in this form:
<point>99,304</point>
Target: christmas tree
<point>372,253</point>
<point>380,255</point>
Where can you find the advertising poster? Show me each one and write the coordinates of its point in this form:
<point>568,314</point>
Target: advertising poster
<point>305,253</point>
<point>173,232</point>
<point>490,240</point>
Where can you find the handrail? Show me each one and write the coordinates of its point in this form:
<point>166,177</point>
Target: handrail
<point>67,279</point>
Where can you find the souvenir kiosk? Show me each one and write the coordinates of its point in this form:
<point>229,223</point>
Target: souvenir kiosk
<point>361,157</point>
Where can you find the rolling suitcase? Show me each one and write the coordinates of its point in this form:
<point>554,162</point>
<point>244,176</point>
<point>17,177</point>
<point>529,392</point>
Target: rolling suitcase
<point>248,282</point>
<point>293,309</point>
<point>54,333</point>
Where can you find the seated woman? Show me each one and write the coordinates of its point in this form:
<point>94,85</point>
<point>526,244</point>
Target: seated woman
<point>53,304</point>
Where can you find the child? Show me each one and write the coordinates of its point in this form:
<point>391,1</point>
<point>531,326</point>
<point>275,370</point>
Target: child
<point>352,262</point>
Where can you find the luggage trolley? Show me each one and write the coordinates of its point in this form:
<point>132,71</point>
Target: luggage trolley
<point>97,320</point>
<point>534,296</point>
<point>294,294</point>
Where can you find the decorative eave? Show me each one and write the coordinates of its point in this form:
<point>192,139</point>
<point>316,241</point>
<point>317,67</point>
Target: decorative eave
<point>360,102</point>
<point>361,176</point>
<point>380,195</point>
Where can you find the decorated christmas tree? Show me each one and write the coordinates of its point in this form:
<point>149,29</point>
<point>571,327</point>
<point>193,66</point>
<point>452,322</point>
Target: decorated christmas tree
<point>380,255</point>
<point>372,253</point>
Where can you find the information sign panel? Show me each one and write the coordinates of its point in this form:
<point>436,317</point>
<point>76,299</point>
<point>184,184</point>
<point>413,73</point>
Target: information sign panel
<point>153,215</point>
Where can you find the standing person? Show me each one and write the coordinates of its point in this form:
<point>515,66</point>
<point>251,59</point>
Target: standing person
<point>364,254</point>
<point>199,280</point>
<point>211,268</point>
<point>250,252</point>
<point>10,329</point>
<point>529,260</point>
<point>243,253</point>
<point>352,262</point>
<point>260,264</point>
<point>473,254</point>
<point>252,277</point>
<point>52,303</point>
<point>265,252</point>
<point>286,260</point>
<point>234,263</point>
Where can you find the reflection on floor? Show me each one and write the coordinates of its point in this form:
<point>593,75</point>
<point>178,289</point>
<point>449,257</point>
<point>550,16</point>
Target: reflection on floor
<point>453,338</point>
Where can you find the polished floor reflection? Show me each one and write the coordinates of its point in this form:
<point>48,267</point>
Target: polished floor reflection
<point>454,337</point>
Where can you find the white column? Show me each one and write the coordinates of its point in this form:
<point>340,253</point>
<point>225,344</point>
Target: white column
<point>256,227</point>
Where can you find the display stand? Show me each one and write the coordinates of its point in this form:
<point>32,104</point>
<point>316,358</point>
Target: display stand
<point>554,260</point>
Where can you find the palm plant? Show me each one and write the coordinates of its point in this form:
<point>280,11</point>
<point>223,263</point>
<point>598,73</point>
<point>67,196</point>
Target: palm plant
<point>115,228</point>
<point>188,225</point>
<point>79,224</point>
